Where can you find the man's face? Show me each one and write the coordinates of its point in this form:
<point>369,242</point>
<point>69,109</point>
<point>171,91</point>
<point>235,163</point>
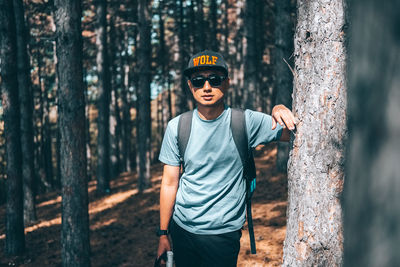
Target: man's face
<point>208,94</point>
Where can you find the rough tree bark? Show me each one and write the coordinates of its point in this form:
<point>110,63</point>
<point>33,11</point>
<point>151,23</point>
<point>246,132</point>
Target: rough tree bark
<point>75,246</point>
<point>26,108</point>
<point>371,195</point>
<point>283,76</point>
<point>315,171</point>
<point>104,95</point>
<point>143,97</point>
<point>15,238</point>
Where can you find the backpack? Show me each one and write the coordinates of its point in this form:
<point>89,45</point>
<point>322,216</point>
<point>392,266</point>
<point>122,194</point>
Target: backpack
<point>239,134</point>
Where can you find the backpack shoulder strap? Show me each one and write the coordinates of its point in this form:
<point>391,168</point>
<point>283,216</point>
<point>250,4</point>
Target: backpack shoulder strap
<point>184,128</point>
<point>239,133</point>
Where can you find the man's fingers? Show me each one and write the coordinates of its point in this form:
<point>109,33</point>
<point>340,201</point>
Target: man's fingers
<point>273,123</point>
<point>288,121</point>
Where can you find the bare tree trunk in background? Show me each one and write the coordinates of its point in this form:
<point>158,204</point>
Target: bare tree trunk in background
<point>46,141</point>
<point>104,93</point>
<point>315,172</point>
<point>26,108</point>
<point>164,55</point>
<point>234,48</point>
<point>371,195</point>
<point>250,54</point>
<point>126,115</point>
<point>89,166</point>
<point>15,238</point>
<point>284,36</point>
<point>214,26</point>
<point>200,36</point>
<point>115,118</point>
<point>181,97</point>
<point>143,97</point>
<point>57,176</point>
<point>75,245</point>
<point>45,185</point>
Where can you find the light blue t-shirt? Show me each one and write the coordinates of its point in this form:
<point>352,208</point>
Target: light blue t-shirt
<point>211,192</point>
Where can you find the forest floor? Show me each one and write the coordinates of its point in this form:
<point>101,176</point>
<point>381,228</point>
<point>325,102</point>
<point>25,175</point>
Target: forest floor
<point>123,223</point>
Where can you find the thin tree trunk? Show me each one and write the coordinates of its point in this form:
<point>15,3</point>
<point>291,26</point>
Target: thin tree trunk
<point>115,119</point>
<point>126,115</point>
<point>43,178</point>
<point>182,92</point>
<point>283,76</point>
<point>46,143</point>
<point>15,238</point>
<point>372,192</point>
<point>250,55</point>
<point>58,136</point>
<point>315,172</point>
<point>201,36</point>
<point>165,94</point>
<point>143,129</point>
<point>104,93</point>
<point>26,108</point>
<point>214,25</point>
<point>75,245</point>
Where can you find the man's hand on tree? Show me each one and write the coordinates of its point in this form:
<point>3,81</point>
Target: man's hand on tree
<point>284,117</point>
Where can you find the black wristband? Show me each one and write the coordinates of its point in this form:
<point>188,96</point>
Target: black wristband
<point>162,232</point>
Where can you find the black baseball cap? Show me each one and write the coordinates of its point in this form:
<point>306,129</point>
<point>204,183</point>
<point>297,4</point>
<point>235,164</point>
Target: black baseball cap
<point>206,60</point>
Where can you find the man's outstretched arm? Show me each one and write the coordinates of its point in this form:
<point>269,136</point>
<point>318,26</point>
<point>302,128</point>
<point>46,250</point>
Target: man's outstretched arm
<point>283,116</point>
<point>169,187</point>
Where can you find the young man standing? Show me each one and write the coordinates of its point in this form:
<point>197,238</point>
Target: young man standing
<point>204,208</point>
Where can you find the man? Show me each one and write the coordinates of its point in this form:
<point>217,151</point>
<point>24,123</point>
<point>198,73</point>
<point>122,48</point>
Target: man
<point>204,208</point>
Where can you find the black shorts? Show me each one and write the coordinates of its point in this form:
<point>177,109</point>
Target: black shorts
<point>192,250</point>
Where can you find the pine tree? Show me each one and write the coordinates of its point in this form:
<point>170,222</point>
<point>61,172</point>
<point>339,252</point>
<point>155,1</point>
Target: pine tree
<point>75,245</point>
<point>15,238</point>
<point>315,171</point>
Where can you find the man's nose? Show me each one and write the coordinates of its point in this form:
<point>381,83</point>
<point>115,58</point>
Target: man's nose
<point>207,86</point>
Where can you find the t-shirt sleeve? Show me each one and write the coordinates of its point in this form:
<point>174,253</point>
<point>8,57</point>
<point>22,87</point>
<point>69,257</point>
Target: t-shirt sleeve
<point>259,128</point>
<point>169,153</point>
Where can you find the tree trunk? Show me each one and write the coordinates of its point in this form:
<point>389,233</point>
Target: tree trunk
<point>315,171</point>
<point>372,192</point>
<point>115,119</point>
<point>75,246</point>
<point>15,238</point>
<point>104,93</point>
<point>283,76</point>
<point>181,97</point>
<point>201,35</point>
<point>46,141</point>
<point>250,54</point>
<point>214,26</point>
<point>126,115</point>
<point>165,94</point>
<point>143,97</point>
<point>45,185</point>
<point>26,108</point>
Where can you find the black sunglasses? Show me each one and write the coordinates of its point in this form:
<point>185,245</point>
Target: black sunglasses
<point>214,80</point>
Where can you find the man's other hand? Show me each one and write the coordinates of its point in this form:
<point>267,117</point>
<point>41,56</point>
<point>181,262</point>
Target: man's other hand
<point>163,246</point>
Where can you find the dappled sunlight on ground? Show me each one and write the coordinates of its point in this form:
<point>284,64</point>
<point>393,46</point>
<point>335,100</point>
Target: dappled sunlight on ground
<point>123,223</point>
